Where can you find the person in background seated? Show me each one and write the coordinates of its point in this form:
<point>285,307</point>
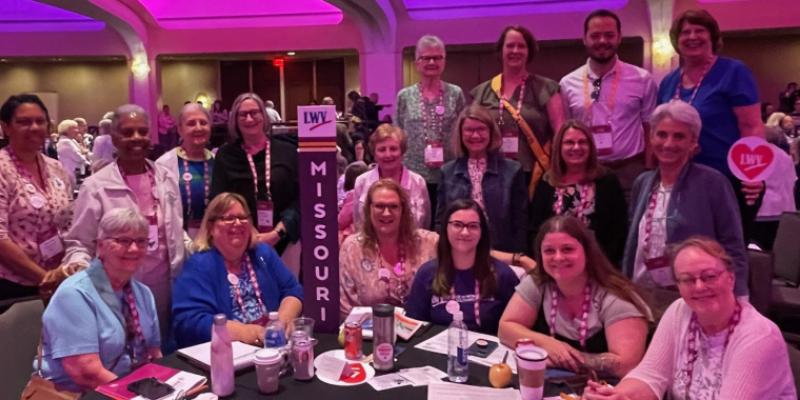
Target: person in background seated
<point>133,182</point>
<point>272,113</point>
<point>678,200</point>
<point>345,217</point>
<point>69,149</point>
<point>576,305</point>
<point>90,333</point>
<point>35,202</point>
<point>378,264</point>
<point>482,174</point>
<point>576,184</point>
<point>191,164</point>
<point>708,345</point>
<point>464,272</point>
<point>388,144</point>
<point>103,150</point>
<point>233,274</point>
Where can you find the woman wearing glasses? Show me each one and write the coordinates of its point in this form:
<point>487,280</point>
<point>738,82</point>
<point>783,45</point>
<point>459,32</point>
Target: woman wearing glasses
<point>262,168</point>
<point>527,106</point>
<point>577,185</point>
<point>426,111</point>
<point>134,182</point>
<point>378,263</point>
<point>678,200</point>
<point>708,345</point>
<point>233,274</point>
<point>463,276</point>
<point>101,322</point>
<point>576,305</point>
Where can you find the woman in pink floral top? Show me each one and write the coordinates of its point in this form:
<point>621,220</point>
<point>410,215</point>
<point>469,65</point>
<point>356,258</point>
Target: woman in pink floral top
<point>35,200</point>
<point>378,264</point>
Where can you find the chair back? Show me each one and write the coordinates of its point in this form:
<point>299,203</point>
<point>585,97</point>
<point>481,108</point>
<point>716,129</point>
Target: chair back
<point>786,251</point>
<point>760,280</point>
<point>20,329</point>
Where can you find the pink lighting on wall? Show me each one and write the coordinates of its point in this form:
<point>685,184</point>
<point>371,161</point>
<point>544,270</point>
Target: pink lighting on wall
<point>32,16</point>
<point>210,14</point>
<point>450,9</point>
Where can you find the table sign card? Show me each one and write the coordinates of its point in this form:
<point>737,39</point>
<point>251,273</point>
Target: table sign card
<point>319,227</point>
<point>751,159</point>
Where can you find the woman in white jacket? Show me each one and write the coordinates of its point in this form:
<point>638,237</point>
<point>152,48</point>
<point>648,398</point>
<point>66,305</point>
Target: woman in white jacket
<point>69,152</point>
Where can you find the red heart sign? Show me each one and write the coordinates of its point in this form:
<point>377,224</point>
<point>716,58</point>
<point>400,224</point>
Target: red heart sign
<point>751,161</point>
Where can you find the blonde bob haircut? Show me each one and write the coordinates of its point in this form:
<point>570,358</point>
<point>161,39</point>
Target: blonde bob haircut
<point>215,210</point>
<point>480,114</point>
<point>388,131</point>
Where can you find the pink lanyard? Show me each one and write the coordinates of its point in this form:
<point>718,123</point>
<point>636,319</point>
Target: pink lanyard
<point>25,174</point>
<point>267,175</point>
<point>248,267</point>
<point>584,323</point>
<point>677,94</point>
<point>504,100</point>
<point>187,184</point>
<point>134,329</point>
<point>438,119</point>
<point>477,304</point>
<point>151,177</point>
<point>583,204</point>
<point>648,220</point>
<point>694,330</point>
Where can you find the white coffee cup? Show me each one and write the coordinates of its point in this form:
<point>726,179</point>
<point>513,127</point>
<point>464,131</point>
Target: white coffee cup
<point>531,364</point>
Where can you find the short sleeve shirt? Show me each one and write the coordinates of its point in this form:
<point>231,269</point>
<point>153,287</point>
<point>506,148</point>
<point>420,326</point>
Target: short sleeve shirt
<point>77,321</point>
<point>727,85</point>
<point>606,308</point>
<point>30,225</point>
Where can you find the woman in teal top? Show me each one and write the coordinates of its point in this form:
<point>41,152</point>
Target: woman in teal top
<point>89,334</point>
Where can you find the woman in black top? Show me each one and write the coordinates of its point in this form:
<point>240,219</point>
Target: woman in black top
<point>273,193</point>
<point>577,185</point>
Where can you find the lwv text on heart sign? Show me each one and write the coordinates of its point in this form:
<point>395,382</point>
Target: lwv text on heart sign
<point>751,159</point>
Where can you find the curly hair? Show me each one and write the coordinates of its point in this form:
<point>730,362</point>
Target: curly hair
<point>406,237</point>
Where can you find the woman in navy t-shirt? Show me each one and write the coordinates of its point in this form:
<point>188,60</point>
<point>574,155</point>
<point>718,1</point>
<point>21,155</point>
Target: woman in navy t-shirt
<point>463,274</point>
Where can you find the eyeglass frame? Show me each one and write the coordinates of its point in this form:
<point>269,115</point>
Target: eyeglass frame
<point>126,242</point>
<point>597,84</point>
<point>472,227</point>
<point>708,278</point>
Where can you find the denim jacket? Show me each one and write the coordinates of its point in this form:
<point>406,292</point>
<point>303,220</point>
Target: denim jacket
<point>702,203</point>
<point>505,197</point>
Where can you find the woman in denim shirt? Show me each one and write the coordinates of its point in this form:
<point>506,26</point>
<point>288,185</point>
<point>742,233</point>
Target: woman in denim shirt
<point>482,174</point>
<point>678,200</point>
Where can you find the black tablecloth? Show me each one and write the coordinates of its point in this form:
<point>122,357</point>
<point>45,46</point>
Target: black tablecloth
<point>247,388</point>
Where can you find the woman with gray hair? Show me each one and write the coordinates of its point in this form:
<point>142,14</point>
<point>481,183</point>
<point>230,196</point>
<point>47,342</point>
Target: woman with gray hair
<point>262,168</point>
<point>101,323</point>
<point>70,151</point>
<point>132,181</point>
<point>678,200</point>
<point>103,150</point>
<point>191,164</point>
<point>427,111</point>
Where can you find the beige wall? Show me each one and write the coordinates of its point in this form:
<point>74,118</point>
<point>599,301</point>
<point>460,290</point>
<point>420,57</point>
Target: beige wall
<point>774,60</point>
<point>183,80</point>
<point>352,77</point>
<point>87,89</point>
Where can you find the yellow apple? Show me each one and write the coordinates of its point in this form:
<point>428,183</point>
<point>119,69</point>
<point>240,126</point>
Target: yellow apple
<point>500,375</point>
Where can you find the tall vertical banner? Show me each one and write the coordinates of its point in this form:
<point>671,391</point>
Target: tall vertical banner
<point>318,229</point>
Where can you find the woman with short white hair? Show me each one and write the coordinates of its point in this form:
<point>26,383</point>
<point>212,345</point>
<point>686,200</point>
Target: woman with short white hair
<point>678,200</point>
<point>427,111</point>
<point>69,150</point>
<point>86,328</point>
<point>191,164</point>
<point>103,150</point>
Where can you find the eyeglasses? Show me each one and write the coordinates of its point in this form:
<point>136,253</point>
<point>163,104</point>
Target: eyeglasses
<point>126,241</point>
<point>596,92</point>
<point>231,219</point>
<point>381,208</point>
<point>476,131</point>
<point>254,114</point>
<point>707,277</point>
<point>472,227</point>
<point>572,143</point>
<point>427,59</point>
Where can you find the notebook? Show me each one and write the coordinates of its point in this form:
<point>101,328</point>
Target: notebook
<point>200,355</point>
